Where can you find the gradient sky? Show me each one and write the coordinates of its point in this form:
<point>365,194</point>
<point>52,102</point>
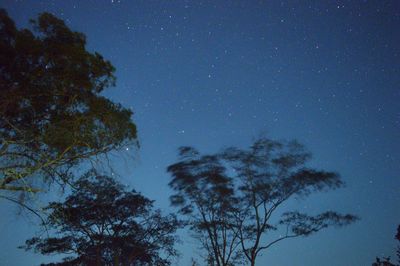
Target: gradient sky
<point>218,73</point>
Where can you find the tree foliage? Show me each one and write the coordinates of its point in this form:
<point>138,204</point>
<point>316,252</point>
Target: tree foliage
<point>52,114</point>
<point>102,224</point>
<point>206,195</point>
<point>231,198</point>
<point>382,262</point>
<point>386,261</point>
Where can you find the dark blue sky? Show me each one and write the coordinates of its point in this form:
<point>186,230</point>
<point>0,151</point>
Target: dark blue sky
<point>218,73</point>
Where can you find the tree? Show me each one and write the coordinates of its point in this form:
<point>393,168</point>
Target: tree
<point>205,195</point>
<point>270,173</point>
<point>52,114</point>
<point>102,224</point>
<point>256,183</point>
<point>386,261</point>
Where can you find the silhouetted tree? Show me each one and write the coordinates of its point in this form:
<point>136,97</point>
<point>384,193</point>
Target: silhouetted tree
<point>383,262</point>
<point>270,173</point>
<point>251,184</point>
<point>206,196</point>
<point>386,261</point>
<point>102,224</point>
<point>52,116</point>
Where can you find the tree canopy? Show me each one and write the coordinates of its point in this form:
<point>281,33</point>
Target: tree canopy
<point>231,198</point>
<point>206,195</point>
<point>52,113</point>
<point>101,223</point>
<point>385,261</point>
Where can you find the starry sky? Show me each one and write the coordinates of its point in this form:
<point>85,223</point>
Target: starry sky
<point>217,73</point>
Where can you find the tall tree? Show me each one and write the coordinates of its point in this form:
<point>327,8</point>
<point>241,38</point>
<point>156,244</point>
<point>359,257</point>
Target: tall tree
<point>205,195</point>
<point>259,180</point>
<point>102,224</point>
<point>270,173</point>
<point>52,114</point>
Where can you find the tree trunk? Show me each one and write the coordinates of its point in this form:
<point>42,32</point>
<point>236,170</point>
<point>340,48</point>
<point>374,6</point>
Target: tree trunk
<point>253,259</point>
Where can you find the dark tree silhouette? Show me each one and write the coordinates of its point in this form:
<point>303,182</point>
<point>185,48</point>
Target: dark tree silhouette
<point>270,173</point>
<point>231,197</point>
<point>382,262</point>
<point>386,261</point>
<point>102,224</point>
<point>52,116</point>
<point>205,194</point>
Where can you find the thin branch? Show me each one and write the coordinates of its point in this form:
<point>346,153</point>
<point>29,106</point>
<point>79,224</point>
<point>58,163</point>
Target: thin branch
<point>29,209</point>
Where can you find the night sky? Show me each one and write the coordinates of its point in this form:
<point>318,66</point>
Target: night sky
<point>219,73</point>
